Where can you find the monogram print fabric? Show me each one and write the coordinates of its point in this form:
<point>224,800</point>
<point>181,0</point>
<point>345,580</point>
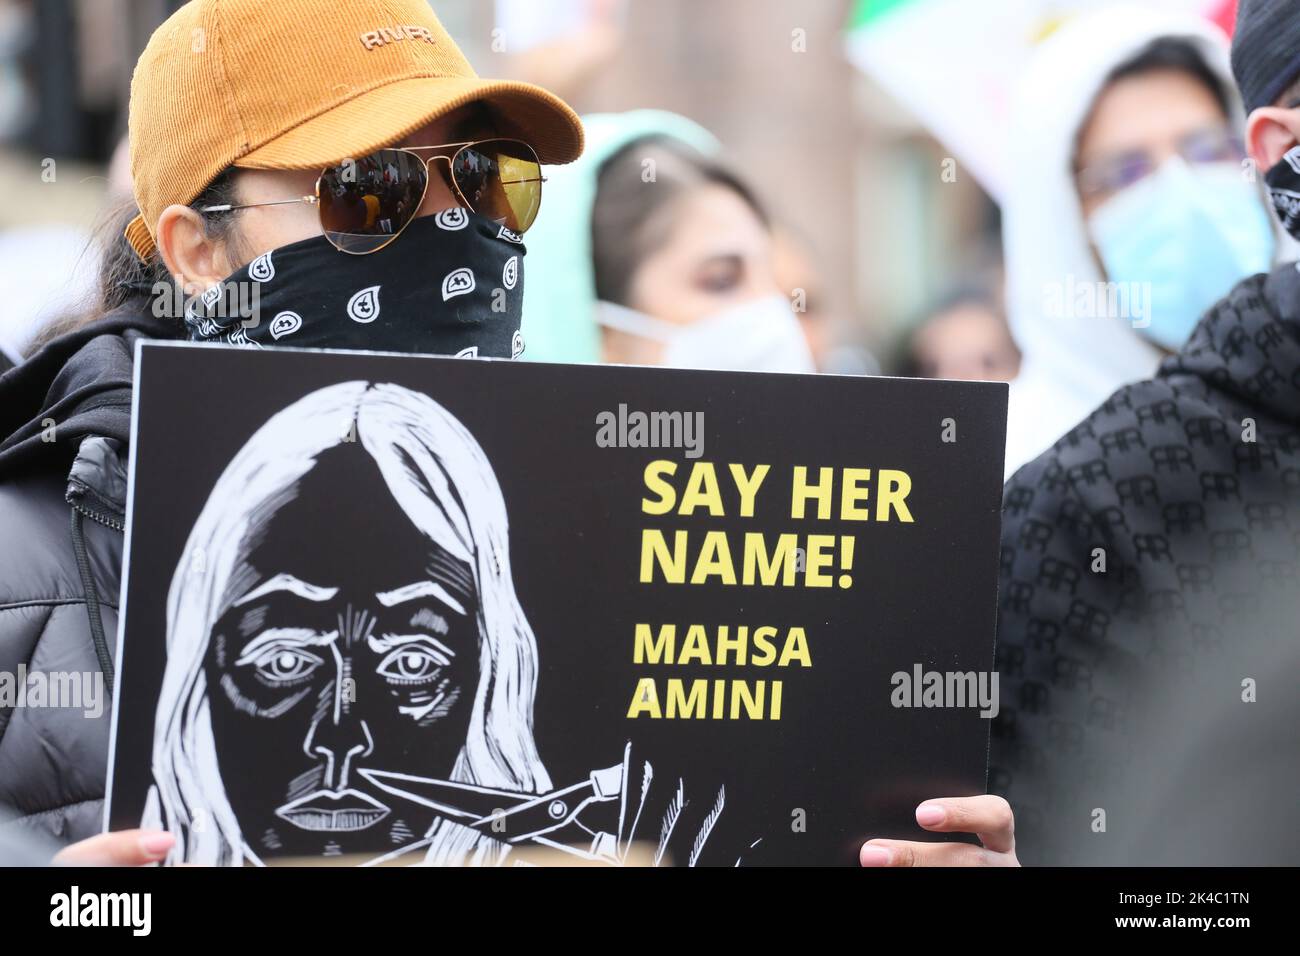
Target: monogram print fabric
<point>1140,555</point>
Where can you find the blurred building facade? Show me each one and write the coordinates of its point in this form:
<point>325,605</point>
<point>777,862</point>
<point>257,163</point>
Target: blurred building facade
<point>850,175</point>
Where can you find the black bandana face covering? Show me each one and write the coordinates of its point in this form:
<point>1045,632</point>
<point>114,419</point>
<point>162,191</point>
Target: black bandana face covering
<point>450,284</point>
<point>1284,187</point>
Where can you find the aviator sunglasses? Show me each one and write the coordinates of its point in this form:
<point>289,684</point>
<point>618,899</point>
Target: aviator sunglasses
<point>365,203</point>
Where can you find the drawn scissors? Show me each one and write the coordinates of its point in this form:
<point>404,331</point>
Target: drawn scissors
<point>548,819</point>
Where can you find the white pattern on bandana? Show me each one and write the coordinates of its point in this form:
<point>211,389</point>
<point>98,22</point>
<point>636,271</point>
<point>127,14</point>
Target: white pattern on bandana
<point>457,283</point>
<point>452,219</point>
<point>262,269</point>
<point>363,307</point>
<point>286,323</point>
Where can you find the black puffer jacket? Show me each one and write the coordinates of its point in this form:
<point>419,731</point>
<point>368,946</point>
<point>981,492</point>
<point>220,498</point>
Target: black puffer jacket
<point>65,419</point>
<point>1150,567</point>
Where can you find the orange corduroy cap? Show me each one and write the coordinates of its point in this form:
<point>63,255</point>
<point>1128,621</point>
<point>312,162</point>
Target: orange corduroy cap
<point>304,84</point>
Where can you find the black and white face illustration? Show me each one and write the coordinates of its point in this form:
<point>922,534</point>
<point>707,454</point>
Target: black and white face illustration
<point>361,650</point>
<point>345,607</point>
<point>349,671</point>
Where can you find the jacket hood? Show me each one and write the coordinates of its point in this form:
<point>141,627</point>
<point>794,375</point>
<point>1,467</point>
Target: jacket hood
<point>1071,365</point>
<point>1247,350</point>
<point>75,387</point>
<point>559,323</point>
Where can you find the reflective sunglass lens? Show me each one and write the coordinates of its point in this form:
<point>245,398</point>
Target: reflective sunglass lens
<point>365,202</point>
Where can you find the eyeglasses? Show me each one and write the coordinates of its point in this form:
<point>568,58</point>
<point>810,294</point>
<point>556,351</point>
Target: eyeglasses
<point>1116,173</point>
<point>366,203</point>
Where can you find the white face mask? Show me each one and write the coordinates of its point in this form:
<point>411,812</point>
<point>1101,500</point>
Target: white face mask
<point>758,336</point>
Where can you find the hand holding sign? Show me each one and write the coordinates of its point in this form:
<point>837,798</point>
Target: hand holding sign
<point>987,816</point>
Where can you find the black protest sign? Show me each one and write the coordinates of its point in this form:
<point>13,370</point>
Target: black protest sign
<point>410,609</point>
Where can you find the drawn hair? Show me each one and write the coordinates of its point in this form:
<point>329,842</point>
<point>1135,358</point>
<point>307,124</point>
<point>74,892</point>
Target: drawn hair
<point>441,479</point>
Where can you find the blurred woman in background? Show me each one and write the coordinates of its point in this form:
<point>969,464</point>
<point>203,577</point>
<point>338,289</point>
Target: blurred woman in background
<point>964,337</point>
<point>656,254</point>
<point>1132,210</point>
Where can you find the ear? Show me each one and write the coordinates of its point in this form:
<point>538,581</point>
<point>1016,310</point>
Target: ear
<point>194,259</point>
<point>1270,132</point>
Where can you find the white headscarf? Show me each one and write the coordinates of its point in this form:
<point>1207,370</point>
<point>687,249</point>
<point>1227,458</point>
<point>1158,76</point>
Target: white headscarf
<point>1072,365</point>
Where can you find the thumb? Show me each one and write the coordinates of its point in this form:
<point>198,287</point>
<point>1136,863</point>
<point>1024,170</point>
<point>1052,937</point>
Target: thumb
<point>122,848</point>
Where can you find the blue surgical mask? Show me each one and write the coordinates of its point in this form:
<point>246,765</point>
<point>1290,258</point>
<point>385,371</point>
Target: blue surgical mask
<point>1192,233</point>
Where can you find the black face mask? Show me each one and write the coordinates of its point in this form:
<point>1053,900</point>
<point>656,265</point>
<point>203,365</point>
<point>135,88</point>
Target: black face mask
<point>1284,187</point>
<point>450,284</point>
